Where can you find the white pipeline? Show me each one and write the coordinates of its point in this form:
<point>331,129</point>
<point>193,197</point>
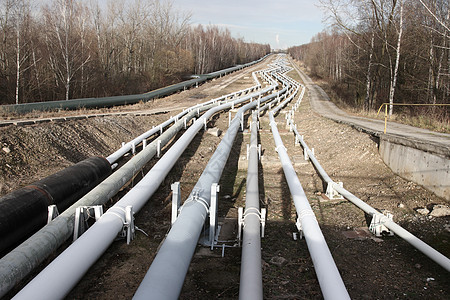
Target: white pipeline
<point>165,277</point>
<point>250,287</point>
<point>432,253</point>
<point>330,280</point>
<point>54,282</point>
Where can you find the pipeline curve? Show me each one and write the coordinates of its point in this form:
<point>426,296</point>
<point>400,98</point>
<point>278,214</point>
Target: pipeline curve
<point>172,268</point>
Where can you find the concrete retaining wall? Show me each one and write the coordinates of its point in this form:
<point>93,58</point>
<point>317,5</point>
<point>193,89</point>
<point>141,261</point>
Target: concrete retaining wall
<point>430,170</point>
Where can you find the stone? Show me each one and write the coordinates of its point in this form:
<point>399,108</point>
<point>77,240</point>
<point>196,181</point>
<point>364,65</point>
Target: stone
<point>401,205</point>
<point>423,211</point>
<point>6,150</point>
<point>278,261</point>
<point>214,131</point>
<point>440,211</point>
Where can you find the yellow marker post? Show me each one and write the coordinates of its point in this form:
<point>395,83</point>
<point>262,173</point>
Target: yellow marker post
<point>404,104</point>
<point>385,118</point>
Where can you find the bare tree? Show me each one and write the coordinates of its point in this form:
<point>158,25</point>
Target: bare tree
<point>441,21</point>
<point>343,16</point>
<point>397,61</point>
<point>6,26</point>
<point>397,51</point>
<point>66,49</point>
<point>63,42</point>
<point>22,16</point>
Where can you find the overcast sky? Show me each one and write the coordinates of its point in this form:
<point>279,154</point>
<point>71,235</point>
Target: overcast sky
<point>280,23</point>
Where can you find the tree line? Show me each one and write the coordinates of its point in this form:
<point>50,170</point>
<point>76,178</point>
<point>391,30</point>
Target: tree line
<point>378,51</point>
<point>65,49</point>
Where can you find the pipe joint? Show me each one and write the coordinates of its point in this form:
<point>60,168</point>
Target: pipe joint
<point>118,212</point>
<point>196,199</point>
<point>126,215</point>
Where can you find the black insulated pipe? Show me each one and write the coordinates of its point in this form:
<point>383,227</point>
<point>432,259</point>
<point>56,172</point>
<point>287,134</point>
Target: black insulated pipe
<point>24,211</point>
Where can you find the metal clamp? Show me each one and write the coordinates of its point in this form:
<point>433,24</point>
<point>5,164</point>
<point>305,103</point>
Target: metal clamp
<point>250,211</point>
<point>176,200</point>
<point>52,213</point>
<point>195,198</point>
<point>293,127</point>
<point>158,148</point>
<point>331,192</point>
<point>128,227</point>
<point>304,213</point>
<point>82,216</point>
<point>133,148</point>
<point>306,154</point>
<point>298,224</point>
<point>377,224</point>
<point>215,188</point>
<point>258,147</point>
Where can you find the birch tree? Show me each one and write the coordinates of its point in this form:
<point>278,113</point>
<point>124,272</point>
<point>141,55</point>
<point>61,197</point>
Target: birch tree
<point>397,62</point>
<point>22,14</point>
<point>63,42</point>
<point>7,31</point>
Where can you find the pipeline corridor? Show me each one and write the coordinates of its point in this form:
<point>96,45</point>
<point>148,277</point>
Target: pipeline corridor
<point>166,275</point>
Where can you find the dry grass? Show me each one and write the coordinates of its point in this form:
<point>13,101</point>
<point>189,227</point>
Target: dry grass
<point>427,119</point>
<point>82,111</point>
<point>430,121</point>
<point>423,121</point>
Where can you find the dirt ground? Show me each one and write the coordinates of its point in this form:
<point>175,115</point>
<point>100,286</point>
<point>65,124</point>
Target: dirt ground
<point>372,268</point>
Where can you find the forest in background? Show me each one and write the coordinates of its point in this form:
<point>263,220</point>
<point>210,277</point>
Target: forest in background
<point>67,49</point>
<point>377,51</point>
